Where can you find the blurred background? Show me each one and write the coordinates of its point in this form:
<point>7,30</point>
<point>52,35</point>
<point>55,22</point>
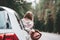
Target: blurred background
<point>46,12</point>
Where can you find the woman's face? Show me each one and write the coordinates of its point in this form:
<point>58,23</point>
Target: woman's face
<point>36,35</point>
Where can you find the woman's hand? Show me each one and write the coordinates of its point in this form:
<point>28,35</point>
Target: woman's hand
<point>31,31</point>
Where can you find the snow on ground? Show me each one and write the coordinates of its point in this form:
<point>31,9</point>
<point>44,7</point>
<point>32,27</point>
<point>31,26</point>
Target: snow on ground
<point>49,36</point>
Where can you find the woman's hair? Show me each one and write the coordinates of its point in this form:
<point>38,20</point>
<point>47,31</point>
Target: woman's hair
<point>29,15</point>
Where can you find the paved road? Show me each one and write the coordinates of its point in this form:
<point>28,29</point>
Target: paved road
<point>49,36</point>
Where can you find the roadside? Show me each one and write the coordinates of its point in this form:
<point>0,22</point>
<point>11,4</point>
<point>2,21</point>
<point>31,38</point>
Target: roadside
<point>49,36</point>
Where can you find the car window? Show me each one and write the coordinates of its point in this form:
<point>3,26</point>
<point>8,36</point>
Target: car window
<point>4,20</point>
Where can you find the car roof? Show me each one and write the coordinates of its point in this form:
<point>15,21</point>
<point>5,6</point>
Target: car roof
<point>7,9</point>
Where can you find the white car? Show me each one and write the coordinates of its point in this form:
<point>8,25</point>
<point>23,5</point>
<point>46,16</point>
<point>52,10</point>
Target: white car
<point>9,25</point>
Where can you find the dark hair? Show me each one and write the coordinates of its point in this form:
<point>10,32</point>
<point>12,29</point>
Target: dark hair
<point>32,34</point>
<point>29,15</point>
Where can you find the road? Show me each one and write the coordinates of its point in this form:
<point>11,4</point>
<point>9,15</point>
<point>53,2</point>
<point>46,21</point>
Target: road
<point>49,36</point>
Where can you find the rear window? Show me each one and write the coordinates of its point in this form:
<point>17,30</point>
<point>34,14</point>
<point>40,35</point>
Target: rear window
<point>4,20</point>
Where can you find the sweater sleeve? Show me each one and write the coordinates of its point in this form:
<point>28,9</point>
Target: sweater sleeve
<point>28,25</point>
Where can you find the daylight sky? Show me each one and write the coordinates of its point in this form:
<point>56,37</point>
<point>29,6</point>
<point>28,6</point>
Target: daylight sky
<point>33,2</point>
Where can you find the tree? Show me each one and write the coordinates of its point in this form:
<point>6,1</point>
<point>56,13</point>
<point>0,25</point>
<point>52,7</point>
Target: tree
<point>20,6</point>
<point>57,26</point>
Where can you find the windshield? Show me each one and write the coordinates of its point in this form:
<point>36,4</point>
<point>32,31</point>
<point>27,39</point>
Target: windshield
<point>4,20</point>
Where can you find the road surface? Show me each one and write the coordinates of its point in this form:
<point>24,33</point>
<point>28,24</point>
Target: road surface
<point>49,36</point>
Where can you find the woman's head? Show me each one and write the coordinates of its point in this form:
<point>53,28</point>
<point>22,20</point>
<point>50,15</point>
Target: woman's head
<point>36,35</point>
<point>29,15</point>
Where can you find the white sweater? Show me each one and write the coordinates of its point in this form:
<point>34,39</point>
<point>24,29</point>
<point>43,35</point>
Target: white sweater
<point>28,24</point>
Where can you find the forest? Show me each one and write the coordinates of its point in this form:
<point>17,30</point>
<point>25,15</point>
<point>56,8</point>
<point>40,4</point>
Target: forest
<point>46,13</point>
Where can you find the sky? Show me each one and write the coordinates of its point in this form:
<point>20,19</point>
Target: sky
<point>33,2</point>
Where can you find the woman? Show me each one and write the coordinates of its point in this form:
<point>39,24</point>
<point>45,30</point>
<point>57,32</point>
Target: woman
<point>27,23</point>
